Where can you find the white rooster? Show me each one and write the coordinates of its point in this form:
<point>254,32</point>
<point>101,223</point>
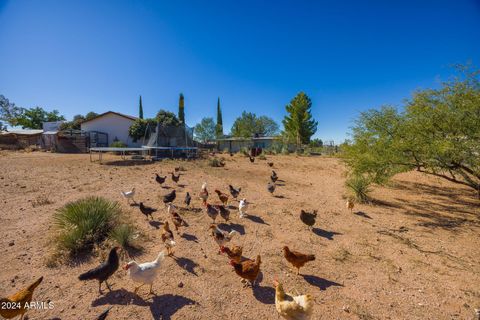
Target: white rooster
<point>242,207</point>
<point>129,195</point>
<point>144,273</point>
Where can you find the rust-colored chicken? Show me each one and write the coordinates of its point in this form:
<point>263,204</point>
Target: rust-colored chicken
<point>177,221</point>
<point>296,258</point>
<point>167,238</point>
<point>350,205</point>
<point>222,196</point>
<point>234,254</point>
<point>18,302</point>
<point>248,270</point>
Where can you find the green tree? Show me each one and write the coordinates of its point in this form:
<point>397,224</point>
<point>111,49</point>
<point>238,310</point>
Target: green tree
<point>142,128</point>
<point>9,112</point>
<point>167,118</point>
<point>205,130</point>
<point>91,115</point>
<point>181,109</point>
<point>316,143</point>
<point>219,126</point>
<point>299,124</point>
<point>75,124</point>
<point>248,125</point>
<point>437,133</point>
<point>33,118</point>
<point>140,108</point>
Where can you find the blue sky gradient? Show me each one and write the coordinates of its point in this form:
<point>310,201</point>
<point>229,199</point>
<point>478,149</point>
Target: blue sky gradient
<point>348,56</point>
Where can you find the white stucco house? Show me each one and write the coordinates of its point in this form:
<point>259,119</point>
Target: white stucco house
<point>114,124</point>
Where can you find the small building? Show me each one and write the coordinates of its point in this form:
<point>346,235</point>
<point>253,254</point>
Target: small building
<point>114,124</point>
<point>19,139</point>
<point>235,144</point>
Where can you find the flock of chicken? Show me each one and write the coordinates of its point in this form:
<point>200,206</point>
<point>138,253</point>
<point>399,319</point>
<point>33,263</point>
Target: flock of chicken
<point>287,305</point>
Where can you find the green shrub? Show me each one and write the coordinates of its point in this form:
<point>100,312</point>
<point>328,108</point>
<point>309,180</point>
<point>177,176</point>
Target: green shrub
<point>85,222</point>
<point>124,235</point>
<point>216,162</point>
<point>261,156</point>
<point>285,150</point>
<point>118,144</point>
<point>359,186</point>
<point>245,151</point>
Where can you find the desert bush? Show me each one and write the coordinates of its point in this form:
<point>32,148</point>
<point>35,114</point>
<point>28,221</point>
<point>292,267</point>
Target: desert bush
<point>285,150</point>
<point>124,235</point>
<point>262,156</point>
<point>245,151</point>
<point>359,186</point>
<point>85,222</point>
<point>216,162</point>
<point>118,144</point>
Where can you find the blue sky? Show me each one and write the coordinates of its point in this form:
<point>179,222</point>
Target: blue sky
<point>348,56</point>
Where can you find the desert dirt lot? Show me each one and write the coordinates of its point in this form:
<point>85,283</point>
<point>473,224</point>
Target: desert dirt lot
<point>412,254</point>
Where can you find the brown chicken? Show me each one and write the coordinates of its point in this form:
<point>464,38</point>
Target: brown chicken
<point>350,205</point>
<point>234,254</point>
<point>177,221</point>
<point>222,196</point>
<point>296,258</point>
<point>248,270</point>
<point>167,238</point>
<point>18,302</point>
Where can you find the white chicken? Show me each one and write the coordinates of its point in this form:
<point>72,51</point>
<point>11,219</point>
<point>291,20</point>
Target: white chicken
<point>144,273</point>
<point>204,193</point>
<point>242,207</point>
<point>129,195</point>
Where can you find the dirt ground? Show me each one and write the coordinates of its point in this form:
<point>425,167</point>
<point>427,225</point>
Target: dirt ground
<point>412,254</point>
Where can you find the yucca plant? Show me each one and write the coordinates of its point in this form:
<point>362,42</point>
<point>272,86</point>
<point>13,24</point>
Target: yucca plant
<point>124,235</point>
<point>84,222</point>
<point>360,187</point>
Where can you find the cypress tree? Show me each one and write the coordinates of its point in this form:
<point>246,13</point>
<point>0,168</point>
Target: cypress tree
<point>219,127</point>
<point>181,109</point>
<point>140,108</point>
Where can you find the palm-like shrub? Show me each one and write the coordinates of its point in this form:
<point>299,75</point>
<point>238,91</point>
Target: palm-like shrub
<point>85,222</point>
<point>360,187</point>
<point>124,235</point>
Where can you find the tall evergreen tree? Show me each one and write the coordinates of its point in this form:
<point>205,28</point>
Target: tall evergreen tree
<point>219,127</point>
<point>181,109</point>
<point>140,108</point>
<point>299,124</point>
